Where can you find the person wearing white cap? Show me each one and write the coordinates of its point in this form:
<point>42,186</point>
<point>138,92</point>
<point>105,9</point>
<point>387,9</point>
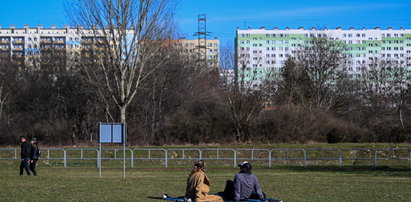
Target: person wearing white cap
<point>245,185</point>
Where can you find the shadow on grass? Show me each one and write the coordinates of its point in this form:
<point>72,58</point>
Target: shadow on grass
<point>155,198</point>
<point>160,198</point>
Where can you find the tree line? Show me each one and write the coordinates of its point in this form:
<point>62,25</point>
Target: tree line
<point>135,73</point>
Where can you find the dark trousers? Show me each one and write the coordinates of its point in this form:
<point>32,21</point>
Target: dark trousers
<point>25,165</point>
<point>229,192</point>
<point>33,167</point>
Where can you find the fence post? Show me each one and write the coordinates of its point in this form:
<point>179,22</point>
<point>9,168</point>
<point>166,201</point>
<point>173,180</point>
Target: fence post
<point>132,158</point>
<point>286,154</point>
<point>305,158</point>
<point>15,153</point>
<point>200,153</point>
<point>375,159</point>
<point>81,153</point>
<point>410,158</point>
<point>269,158</point>
<point>65,158</point>
<point>340,158</point>
<point>235,158</point>
<point>166,158</point>
<point>98,158</point>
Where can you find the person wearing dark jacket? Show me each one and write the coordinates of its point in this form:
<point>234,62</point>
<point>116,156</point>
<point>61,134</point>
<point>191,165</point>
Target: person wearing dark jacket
<point>35,154</point>
<point>245,185</point>
<point>25,155</point>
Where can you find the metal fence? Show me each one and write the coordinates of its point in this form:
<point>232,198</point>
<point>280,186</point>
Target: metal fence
<point>303,157</point>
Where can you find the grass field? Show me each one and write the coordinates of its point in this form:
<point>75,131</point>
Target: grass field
<point>288,184</point>
<point>288,181</point>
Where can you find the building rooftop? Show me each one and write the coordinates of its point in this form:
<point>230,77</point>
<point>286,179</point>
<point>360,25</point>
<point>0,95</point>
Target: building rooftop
<point>322,28</point>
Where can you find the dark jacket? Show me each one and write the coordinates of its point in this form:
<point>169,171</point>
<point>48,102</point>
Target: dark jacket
<point>246,184</point>
<point>25,150</point>
<point>35,152</point>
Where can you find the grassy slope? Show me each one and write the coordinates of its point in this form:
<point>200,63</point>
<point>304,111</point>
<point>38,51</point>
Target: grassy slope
<point>80,184</point>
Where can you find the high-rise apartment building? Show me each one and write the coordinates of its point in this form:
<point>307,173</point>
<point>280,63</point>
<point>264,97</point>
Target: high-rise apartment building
<point>211,53</point>
<point>21,44</point>
<point>259,52</point>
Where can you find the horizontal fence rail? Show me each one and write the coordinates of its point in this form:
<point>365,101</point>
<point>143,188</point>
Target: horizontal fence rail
<point>303,157</point>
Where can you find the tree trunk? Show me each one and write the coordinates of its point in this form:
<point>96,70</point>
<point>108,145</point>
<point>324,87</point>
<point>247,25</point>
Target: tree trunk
<point>400,115</point>
<point>1,109</point>
<point>239,131</point>
<point>123,110</point>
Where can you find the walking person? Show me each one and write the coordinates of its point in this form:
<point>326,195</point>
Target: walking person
<point>25,155</point>
<point>34,157</point>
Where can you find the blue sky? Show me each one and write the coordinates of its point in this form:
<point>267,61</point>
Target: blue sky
<point>224,16</point>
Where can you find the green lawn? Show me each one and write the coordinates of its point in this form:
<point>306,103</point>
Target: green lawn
<point>288,184</point>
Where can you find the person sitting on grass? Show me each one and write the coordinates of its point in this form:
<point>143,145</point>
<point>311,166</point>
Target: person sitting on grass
<point>245,185</point>
<point>198,184</point>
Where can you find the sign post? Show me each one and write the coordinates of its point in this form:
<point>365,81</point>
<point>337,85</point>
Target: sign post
<point>113,133</point>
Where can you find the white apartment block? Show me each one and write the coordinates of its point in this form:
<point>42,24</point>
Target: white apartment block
<point>26,42</point>
<point>262,51</point>
<point>23,42</point>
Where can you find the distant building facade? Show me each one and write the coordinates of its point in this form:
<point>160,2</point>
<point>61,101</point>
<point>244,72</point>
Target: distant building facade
<point>23,44</point>
<point>211,53</point>
<point>227,77</point>
<point>259,52</point>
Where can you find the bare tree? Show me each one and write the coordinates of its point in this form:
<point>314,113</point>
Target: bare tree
<point>323,62</point>
<point>293,85</point>
<point>126,37</point>
<point>8,72</point>
<point>386,85</point>
<point>245,94</point>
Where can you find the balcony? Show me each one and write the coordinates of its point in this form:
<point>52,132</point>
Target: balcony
<point>4,49</point>
<point>18,41</point>
<point>60,48</point>
<point>18,49</point>
<point>60,41</point>
<point>45,41</point>
<point>4,42</point>
<point>101,42</point>
<point>86,42</point>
